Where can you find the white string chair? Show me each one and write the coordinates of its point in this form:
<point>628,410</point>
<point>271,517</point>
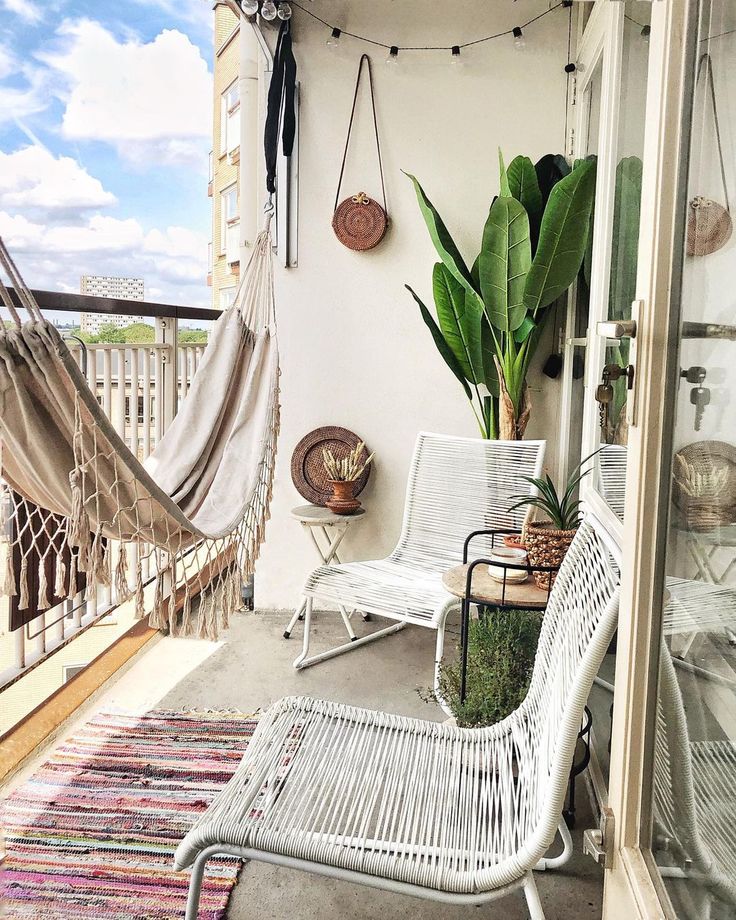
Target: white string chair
<point>449,814</point>
<point>694,798</point>
<point>456,485</point>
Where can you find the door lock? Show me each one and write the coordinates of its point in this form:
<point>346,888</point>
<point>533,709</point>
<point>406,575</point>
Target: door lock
<point>598,841</point>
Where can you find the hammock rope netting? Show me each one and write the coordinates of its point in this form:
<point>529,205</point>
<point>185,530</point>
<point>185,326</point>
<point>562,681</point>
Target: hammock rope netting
<point>81,511</point>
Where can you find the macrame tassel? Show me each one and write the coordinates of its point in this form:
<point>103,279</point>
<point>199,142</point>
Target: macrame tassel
<point>121,574</point>
<point>9,588</point>
<point>156,620</point>
<point>139,606</point>
<point>60,576</point>
<point>186,614</point>
<point>44,599</point>
<point>79,529</point>
<point>73,586</point>
<point>24,599</point>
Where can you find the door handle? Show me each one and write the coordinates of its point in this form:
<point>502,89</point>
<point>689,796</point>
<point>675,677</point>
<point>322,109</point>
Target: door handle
<point>617,329</point>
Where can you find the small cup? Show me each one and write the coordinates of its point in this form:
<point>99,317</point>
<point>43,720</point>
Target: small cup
<point>505,555</point>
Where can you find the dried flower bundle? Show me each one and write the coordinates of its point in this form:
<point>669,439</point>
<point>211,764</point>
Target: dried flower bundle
<point>349,468</point>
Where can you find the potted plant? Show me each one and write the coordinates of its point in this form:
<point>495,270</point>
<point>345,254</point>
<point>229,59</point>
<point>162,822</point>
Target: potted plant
<point>343,475</point>
<point>502,644</point>
<point>547,541</point>
<point>490,317</point>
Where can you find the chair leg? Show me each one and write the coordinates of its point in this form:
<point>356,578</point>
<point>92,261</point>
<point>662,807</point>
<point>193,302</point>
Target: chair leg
<point>532,898</point>
<point>195,886</point>
<point>304,662</point>
<point>439,650</point>
<point>298,615</point>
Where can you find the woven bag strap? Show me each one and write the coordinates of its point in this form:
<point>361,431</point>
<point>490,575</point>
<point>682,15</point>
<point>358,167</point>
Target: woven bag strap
<point>705,66</point>
<point>363,60</point>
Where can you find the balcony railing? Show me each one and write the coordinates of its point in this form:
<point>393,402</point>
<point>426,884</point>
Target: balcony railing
<point>140,387</point>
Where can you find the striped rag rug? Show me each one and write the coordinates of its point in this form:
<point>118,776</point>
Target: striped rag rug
<point>92,834</point>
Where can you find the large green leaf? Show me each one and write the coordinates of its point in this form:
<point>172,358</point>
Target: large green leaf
<point>459,318</point>
<point>440,235</point>
<point>504,262</point>
<point>625,237</point>
<point>563,237</point>
<point>524,186</point>
<point>442,347</point>
<point>489,351</point>
<point>504,177</point>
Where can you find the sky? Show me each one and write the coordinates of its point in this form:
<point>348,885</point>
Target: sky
<point>105,129</point>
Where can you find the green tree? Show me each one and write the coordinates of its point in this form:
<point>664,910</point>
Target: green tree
<point>139,334</point>
<point>193,336</point>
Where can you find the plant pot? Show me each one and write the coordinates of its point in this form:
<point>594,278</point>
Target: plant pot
<point>514,541</point>
<point>343,500</point>
<point>546,546</point>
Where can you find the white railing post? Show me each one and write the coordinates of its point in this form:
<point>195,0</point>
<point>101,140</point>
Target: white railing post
<point>167,333</point>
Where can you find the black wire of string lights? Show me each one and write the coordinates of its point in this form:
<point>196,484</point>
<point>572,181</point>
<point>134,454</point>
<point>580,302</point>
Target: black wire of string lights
<point>283,10</point>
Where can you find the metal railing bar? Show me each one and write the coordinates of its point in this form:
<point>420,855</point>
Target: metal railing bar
<point>88,303</point>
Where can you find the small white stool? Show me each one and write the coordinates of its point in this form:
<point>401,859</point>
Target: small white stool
<point>333,527</point>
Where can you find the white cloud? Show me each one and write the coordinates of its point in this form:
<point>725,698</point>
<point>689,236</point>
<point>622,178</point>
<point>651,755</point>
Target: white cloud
<point>26,9</point>
<point>173,261</point>
<point>7,62</point>
<point>151,100</point>
<point>36,181</point>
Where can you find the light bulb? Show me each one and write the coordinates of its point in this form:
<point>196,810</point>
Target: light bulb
<point>249,7</point>
<point>393,55</point>
<point>519,42</point>
<point>284,11</point>
<point>646,31</point>
<point>268,10</point>
<point>455,57</point>
<point>334,40</point>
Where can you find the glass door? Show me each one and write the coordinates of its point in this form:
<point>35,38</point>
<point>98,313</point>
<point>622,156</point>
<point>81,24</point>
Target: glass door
<point>672,796</point>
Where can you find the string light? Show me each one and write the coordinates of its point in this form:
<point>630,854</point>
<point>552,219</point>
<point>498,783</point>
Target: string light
<point>646,31</point>
<point>268,10</point>
<point>334,40</point>
<point>249,7</point>
<point>455,56</point>
<point>393,50</point>
<point>284,11</point>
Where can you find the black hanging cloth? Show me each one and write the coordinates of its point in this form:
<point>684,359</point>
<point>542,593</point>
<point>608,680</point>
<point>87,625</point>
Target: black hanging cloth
<point>281,99</point>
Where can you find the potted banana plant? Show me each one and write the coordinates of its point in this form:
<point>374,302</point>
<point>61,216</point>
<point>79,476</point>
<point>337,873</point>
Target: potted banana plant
<point>490,317</point>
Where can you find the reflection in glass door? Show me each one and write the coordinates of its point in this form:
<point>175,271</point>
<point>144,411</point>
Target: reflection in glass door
<point>694,774</point>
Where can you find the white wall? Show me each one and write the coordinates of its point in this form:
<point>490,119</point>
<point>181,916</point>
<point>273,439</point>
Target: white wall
<point>354,349</point>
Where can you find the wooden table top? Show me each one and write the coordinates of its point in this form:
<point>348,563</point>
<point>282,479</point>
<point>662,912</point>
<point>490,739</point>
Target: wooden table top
<point>317,516</point>
<point>486,590</point>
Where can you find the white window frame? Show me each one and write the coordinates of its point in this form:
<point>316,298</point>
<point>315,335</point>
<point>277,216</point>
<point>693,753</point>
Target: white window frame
<point>225,220</point>
<point>229,290</point>
<point>229,106</point>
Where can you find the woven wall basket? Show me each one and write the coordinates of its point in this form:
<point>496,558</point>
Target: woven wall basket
<point>546,546</point>
<point>709,227</point>
<point>704,485</point>
<point>359,222</point>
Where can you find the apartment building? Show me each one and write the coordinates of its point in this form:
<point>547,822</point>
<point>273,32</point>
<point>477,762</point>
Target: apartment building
<point>224,184</point>
<point>108,286</point>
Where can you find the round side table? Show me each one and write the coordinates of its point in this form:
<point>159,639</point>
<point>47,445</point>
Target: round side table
<point>326,531</point>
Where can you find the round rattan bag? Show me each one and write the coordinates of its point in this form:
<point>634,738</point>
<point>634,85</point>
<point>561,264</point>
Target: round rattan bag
<point>704,485</point>
<point>359,222</point>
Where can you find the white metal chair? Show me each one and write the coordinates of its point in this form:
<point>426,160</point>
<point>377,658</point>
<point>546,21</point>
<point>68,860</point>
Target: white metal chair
<point>456,485</point>
<point>694,799</point>
<point>455,815</point>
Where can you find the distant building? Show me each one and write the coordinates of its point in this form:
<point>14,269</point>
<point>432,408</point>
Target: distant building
<point>224,187</point>
<point>118,288</point>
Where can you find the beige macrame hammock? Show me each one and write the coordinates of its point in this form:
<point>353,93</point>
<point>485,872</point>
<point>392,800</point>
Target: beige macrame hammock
<point>192,515</point>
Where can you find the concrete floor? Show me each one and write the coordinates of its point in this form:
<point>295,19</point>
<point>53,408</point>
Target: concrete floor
<point>248,670</point>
